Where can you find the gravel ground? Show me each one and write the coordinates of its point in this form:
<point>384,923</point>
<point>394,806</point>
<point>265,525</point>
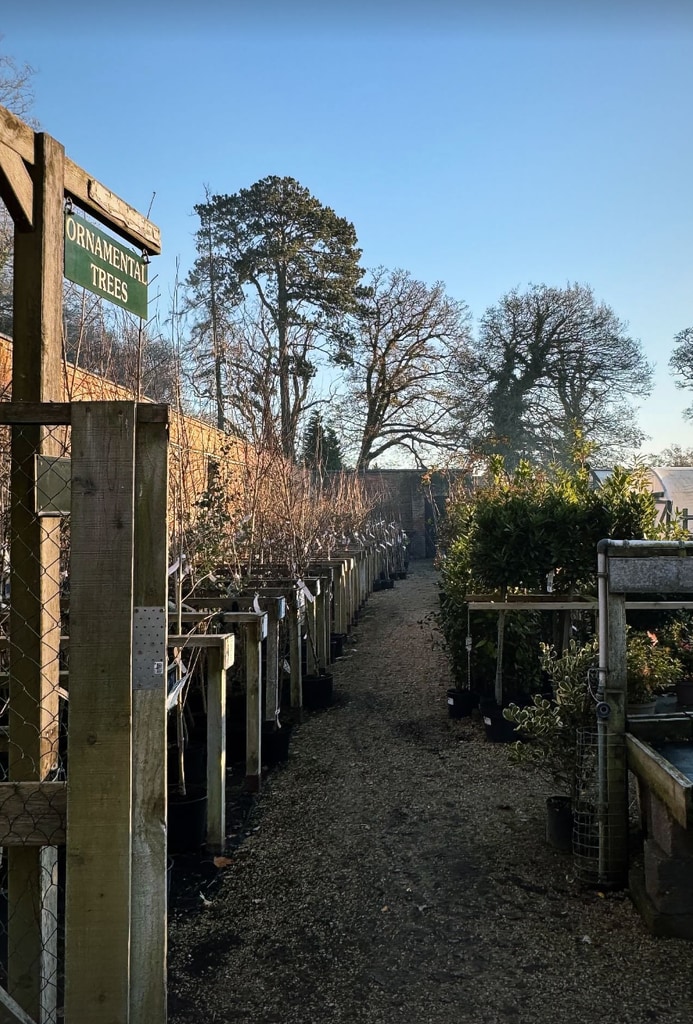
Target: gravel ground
<point>396,870</point>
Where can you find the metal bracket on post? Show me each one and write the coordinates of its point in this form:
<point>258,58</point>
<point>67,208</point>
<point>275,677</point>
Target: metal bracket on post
<point>148,648</point>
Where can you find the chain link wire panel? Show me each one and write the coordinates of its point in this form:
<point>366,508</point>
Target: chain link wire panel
<point>34,574</point>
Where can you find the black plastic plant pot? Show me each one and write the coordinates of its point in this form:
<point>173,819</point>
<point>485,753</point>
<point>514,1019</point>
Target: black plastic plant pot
<point>194,762</point>
<point>461,703</point>
<point>559,823</point>
<point>317,691</point>
<point>498,729</point>
<point>187,820</point>
<point>275,743</point>
<point>337,641</point>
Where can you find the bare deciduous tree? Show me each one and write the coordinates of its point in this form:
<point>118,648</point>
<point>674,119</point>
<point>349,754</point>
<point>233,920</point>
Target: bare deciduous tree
<point>553,362</point>
<point>399,376</point>
<point>681,362</point>
<point>16,86</point>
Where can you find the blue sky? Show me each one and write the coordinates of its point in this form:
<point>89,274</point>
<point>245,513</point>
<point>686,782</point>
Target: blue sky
<point>485,145</point>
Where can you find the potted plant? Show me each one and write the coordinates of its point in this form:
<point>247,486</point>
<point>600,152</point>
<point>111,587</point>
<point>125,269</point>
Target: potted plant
<point>651,669</point>
<point>550,730</point>
<point>678,637</point>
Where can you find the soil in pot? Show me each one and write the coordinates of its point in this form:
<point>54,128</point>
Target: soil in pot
<point>187,819</point>
<point>559,823</point>
<point>461,703</point>
<point>317,691</point>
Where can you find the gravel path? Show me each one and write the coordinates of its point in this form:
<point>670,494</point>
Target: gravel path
<point>396,870</point>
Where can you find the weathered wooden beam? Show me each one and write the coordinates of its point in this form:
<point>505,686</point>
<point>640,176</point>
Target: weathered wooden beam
<point>87,192</point>
<point>673,788</point>
<point>12,1013</point>
<point>149,724</point>
<point>254,632</point>
<point>224,604</point>
<point>224,643</point>
<point>322,628</point>
<point>296,611</point>
<point>311,627</point>
<point>99,849</point>
<point>32,813</point>
<point>17,135</point>
<point>216,747</point>
<point>614,831</point>
<point>540,606</point>
<point>59,413</point>
<point>530,605</point>
<point>110,209</point>
<point>272,688</point>
<point>16,187</point>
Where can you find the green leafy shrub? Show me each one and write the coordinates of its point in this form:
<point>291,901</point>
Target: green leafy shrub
<point>515,532</point>
<point>550,726</point>
<point>651,666</point>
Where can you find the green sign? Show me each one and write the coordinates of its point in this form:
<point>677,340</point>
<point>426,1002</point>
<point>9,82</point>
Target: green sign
<point>104,266</point>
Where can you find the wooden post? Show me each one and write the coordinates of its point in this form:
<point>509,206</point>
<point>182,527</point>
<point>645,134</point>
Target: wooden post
<point>220,650</point>
<point>275,606</point>
<point>216,748</point>
<point>366,584</point>
<point>253,729</point>
<point>349,595</point>
<point>311,626</point>
<point>352,594</point>
<point>340,625</point>
<point>616,827</point>
<point>322,625</point>
<point>35,580</point>
<point>295,617</point>
<point>149,747</point>
<point>97,902</point>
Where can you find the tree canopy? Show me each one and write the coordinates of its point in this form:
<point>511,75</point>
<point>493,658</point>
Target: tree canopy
<point>277,242</point>
<point>550,363</point>
<point>399,377</point>
<point>681,362</point>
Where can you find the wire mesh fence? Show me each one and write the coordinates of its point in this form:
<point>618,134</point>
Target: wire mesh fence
<point>35,547</point>
<point>598,827</point>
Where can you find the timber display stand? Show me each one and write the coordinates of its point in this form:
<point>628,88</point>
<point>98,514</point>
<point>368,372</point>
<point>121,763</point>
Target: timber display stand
<point>114,799</point>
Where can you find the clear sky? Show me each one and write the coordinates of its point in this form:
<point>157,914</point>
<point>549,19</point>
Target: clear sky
<point>488,145</point>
